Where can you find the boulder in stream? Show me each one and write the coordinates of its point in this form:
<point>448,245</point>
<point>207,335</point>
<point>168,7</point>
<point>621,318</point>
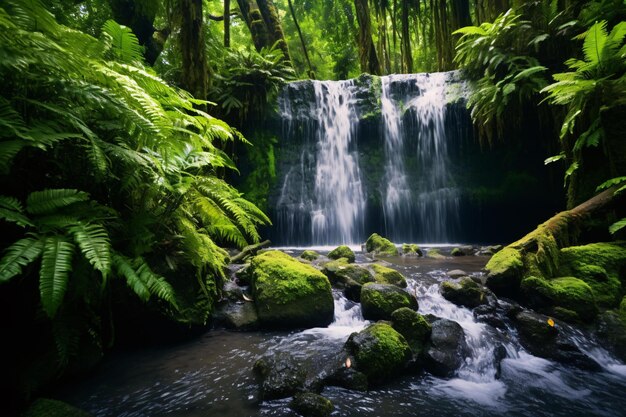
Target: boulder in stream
<point>309,255</point>
<point>348,277</point>
<point>281,376</point>
<point>288,293</point>
<point>308,404</point>
<point>380,352</point>
<point>409,249</point>
<point>342,251</point>
<point>385,275</point>
<point>413,326</point>
<point>447,349</point>
<point>465,293</point>
<point>378,301</point>
<point>378,245</point>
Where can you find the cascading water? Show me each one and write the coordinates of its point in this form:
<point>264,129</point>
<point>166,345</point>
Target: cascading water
<point>335,205</point>
<point>366,157</point>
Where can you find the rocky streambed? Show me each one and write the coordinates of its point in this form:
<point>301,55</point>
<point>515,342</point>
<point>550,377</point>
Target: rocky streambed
<point>433,340</point>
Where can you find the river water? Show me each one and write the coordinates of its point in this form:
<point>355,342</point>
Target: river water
<point>212,376</point>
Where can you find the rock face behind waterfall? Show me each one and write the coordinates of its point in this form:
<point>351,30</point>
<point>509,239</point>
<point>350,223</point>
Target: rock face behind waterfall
<point>288,293</point>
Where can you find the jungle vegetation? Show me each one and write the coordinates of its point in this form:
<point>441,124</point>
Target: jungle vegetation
<point>121,122</point>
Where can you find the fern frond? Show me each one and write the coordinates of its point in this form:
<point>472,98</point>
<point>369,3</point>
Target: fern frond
<point>47,201</point>
<point>11,210</point>
<point>18,255</point>
<point>595,39</point>
<point>125,44</point>
<point>56,264</point>
<point>124,267</point>
<point>156,284</point>
<point>94,243</point>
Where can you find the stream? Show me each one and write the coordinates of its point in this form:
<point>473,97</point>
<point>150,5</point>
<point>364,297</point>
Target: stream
<point>212,375</point>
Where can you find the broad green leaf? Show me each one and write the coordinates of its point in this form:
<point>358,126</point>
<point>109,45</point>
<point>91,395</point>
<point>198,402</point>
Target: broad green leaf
<point>615,227</point>
<point>56,264</point>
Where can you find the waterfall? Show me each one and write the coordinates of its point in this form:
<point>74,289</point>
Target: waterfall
<point>366,155</point>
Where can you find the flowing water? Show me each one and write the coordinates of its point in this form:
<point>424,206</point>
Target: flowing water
<point>212,376</point>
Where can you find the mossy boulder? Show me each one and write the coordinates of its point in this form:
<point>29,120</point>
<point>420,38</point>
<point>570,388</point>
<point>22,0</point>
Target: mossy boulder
<point>384,275</point>
<point>342,252</point>
<point>465,293</point>
<point>44,407</point>
<point>411,249</point>
<point>567,293</point>
<point>378,301</point>
<point>413,326</point>
<point>601,265</point>
<point>309,255</point>
<point>378,245</point>
<point>288,293</point>
<point>348,277</point>
<point>505,270</point>
<point>380,352</point>
<point>309,404</point>
<point>435,254</point>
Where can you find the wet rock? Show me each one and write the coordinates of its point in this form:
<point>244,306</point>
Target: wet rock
<point>487,313</point>
<point>434,254</point>
<point>342,251</point>
<point>348,378</point>
<point>240,315</point>
<point>378,301</point>
<point>447,349</point>
<point>309,404</point>
<point>281,376</point>
<point>465,293</point>
<point>309,255</point>
<point>44,407</point>
<point>348,277</point>
<point>499,354</point>
<point>232,292</point>
<point>411,250</point>
<point>541,336</point>
<point>380,352</point>
<point>384,275</point>
<point>413,326</point>
<point>612,331</point>
<point>288,293</point>
<point>462,251</point>
<point>456,273</point>
<point>378,245</point>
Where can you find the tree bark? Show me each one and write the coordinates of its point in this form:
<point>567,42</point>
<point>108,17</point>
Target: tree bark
<point>252,16</point>
<point>367,52</point>
<point>406,39</point>
<point>195,71</point>
<point>227,23</point>
<point>274,27</point>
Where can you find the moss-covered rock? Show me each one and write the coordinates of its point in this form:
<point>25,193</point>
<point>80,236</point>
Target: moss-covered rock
<point>466,293</point>
<point>308,404</point>
<point>348,277</point>
<point>309,255</point>
<point>378,301</point>
<point>342,252</point>
<point>380,352</point>
<point>44,407</point>
<point>457,252</point>
<point>288,293</point>
<point>434,253</point>
<point>413,326</point>
<point>384,275</point>
<point>505,270</point>
<point>600,266</point>
<point>411,249</point>
<point>378,245</point>
<point>568,293</point>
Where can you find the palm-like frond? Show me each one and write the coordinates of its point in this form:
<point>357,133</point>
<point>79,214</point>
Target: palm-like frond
<point>48,201</point>
<point>18,255</point>
<point>124,42</point>
<point>94,243</point>
<point>56,264</point>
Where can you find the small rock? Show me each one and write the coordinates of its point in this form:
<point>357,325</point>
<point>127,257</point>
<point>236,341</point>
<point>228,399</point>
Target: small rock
<point>281,376</point>
<point>378,245</point>
<point>342,251</point>
<point>309,255</point>
<point>237,315</point>
<point>447,349</point>
<point>384,275</point>
<point>411,249</point>
<point>309,404</point>
<point>456,273</point>
<point>378,301</point>
<point>434,254</point>
<point>348,378</point>
<point>465,293</point>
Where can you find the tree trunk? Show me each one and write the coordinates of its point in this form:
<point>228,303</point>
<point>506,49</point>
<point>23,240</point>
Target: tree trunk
<point>273,25</point>
<point>141,21</point>
<point>252,16</point>
<point>460,11</point>
<point>195,71</point>
<point>406,39</point>
<point>443,37</point>
<point>227,23</point>
<point>367,51</point>
<point>306,53</point>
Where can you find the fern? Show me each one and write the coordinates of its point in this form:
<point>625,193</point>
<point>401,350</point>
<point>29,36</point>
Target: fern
<point>56,264</point>
<point>47,201</point>
<point>124,42</point>
<point>18,255</point>
<point>94,243</point>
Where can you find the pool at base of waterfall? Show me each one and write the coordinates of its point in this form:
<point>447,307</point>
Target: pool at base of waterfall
<point>212,374</point>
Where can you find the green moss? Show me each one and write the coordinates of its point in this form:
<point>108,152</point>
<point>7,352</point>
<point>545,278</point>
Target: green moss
<point>342,252</point>
<point>378,301</point>
<point>508,259</point>
<point>466,292</point>
<point>340,271</point>
<point>384,275</point>
<point>383,353</point>
<point>309,255</point>
<point>599,265</point>
<point>568,292</point>
<point>434,254</point>
<point>411,249</point>
<point>289,292</point>
<point>457,252</point>
<point>413,326</point>
<point>380,246</point>
<point>44,407</point>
